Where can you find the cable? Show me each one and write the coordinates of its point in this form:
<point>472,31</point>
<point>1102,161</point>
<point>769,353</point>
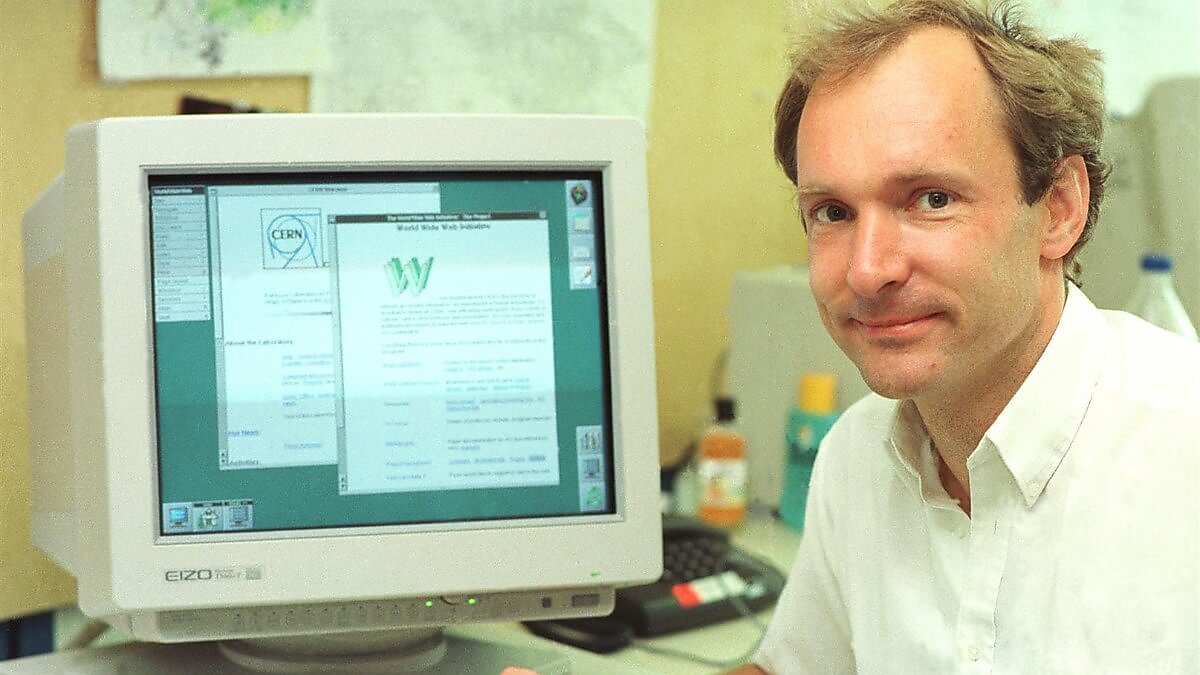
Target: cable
<point>90,632</point>
<point>716,377</point>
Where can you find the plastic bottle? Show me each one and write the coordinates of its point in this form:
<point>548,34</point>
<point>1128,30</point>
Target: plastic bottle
<point>684,497</point>
<point>809,421</point>
<point>1155,300</point>
<point>721,464</point>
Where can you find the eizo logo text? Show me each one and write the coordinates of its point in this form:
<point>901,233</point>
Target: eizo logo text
<point>189,575</point>
<point>252,573</point>
<point>411,276</point>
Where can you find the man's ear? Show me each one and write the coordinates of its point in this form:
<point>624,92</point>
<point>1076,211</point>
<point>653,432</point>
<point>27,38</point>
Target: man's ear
<point>1066,208</point>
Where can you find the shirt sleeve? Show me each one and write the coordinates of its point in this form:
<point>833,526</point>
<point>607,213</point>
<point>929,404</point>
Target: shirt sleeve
<point>810,631</point>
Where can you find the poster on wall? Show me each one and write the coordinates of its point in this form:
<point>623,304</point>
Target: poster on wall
<point>488,56</point>
<point>170,39</point>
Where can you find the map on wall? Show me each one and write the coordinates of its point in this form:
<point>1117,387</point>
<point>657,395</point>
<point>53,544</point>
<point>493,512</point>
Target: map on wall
<point>158,39</point>
<point>488,56</point>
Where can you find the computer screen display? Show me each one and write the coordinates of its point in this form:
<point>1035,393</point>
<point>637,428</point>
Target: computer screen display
<point>335,350</point>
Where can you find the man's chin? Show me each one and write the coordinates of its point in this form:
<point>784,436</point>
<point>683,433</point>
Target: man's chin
<point>897,381</point>
<point>889,389</point>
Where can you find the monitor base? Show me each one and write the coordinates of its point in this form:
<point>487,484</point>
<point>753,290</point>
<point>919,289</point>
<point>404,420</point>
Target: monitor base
<point>427,651</point>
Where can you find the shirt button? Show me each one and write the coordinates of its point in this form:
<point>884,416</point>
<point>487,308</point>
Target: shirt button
<point>973,653</point>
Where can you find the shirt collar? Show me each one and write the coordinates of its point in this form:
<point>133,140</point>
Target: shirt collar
<point>909,448</point>
<point>1034,431</point>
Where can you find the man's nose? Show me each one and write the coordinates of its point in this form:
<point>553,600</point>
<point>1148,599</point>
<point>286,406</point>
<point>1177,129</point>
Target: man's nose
<point>878,258</point>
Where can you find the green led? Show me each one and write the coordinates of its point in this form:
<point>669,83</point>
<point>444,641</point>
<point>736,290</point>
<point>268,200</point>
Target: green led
<point>429,603</point>
<point>471,601</point>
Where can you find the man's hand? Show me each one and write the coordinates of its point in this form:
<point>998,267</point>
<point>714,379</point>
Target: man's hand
<point>748,669</point>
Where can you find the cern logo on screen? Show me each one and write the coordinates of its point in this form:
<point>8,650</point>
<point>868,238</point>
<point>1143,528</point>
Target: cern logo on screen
<point>292,239</point>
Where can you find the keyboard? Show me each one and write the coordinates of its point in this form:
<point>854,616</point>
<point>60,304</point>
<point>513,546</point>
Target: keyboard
<point>691,558</point>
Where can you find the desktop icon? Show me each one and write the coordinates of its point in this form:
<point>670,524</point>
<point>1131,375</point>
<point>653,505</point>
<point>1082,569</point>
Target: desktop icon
<point>582,221</point>
<point>583,275</point>
<point>208,518</point>
<point>592,497</point>
<point>177,516</point>
<point>589,440</point>
<point>579,193</point>
<point>238,517</point>
<point>591,469</point>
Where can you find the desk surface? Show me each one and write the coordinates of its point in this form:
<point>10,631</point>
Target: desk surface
<point>760,534</point>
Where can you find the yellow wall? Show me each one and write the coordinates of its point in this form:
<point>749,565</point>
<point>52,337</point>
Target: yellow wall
<point>717,202</point>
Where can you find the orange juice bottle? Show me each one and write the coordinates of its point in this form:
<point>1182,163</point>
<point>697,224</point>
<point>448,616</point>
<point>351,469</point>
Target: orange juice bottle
<point>721,465</point>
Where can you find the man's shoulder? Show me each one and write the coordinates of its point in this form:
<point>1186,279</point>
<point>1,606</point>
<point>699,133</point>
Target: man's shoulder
<point>858,472</point>
<point>1148,363</point>
<point>865,425</point>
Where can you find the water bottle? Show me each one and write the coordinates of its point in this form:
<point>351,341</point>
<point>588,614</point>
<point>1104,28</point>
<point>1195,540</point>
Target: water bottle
<point>809,421</point>
<point>1155,300</point>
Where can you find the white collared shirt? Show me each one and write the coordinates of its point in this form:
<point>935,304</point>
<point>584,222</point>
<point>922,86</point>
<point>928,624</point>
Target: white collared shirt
<point>1082,551</point>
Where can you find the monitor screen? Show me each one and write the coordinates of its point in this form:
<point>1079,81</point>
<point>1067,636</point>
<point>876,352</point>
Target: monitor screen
<point>336,350</point>
<point>313,375</point>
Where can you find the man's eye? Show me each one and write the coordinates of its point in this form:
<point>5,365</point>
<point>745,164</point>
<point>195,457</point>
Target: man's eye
<point>828,213</point>
<point>933,200</point>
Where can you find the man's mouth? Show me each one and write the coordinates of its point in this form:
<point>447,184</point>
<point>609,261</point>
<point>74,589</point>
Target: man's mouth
<point>896,327</point>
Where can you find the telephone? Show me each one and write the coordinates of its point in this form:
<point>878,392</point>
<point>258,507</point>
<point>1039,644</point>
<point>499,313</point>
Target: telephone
<point>704,580</point>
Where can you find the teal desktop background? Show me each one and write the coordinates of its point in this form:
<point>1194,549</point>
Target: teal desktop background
<point>307,497</point>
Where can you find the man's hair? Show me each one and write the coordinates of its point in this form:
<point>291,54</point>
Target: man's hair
<point>1051,90</point>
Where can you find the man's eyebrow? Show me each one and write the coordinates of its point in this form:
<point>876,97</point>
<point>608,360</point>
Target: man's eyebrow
<point>929,177</point>
<point>809,190</point>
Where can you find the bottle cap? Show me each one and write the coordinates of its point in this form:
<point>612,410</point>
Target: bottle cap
<point>817,393</point>
<point>726,409</point>
<point>1155,262</point>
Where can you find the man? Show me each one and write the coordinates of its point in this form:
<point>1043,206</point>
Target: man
<point>1020,496</point>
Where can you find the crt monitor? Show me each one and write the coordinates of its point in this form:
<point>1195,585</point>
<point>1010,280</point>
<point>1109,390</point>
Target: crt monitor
<point>314,375</point>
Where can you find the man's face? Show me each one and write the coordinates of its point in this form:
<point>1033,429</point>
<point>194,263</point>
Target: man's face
<point>924,259</point>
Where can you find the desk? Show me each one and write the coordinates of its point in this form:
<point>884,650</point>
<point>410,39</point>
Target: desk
<point>760,534</point>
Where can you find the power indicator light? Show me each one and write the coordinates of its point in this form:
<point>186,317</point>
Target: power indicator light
<point>472,601</point>
<point>429,603</point>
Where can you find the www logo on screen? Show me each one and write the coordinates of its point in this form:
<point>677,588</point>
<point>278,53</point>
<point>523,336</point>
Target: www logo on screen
<point>412,276</point>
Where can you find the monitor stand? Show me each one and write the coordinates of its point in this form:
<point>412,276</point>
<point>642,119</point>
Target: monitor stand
<point>428,651</point>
